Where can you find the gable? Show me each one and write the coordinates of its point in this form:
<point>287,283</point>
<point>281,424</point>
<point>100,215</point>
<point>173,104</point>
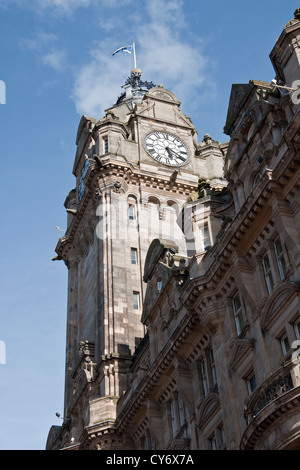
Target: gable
<point>155,251</point>
<point>239,93</point>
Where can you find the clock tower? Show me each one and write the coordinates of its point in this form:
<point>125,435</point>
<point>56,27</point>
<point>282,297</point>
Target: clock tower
<point>135,168</point>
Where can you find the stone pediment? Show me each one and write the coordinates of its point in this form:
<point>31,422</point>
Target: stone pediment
<point>240,348</point>
<point>158,269</point>
<point>155,252</point>
<point>209,406</point>
<point>84,132</point>
<point>160,93</point>
<point>239,93</point>
<point>282,295</point>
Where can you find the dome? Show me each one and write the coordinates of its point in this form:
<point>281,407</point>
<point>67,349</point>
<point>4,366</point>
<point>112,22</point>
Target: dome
<point>135,89</point>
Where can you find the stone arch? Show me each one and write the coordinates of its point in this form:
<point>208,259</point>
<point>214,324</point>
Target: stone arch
<point>277,299</point>
<point>154,200</point>
<point>210,405</point>
<point>173,205</point>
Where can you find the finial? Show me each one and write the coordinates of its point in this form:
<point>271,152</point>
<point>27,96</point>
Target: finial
<point>297,13</point>
<point>135,76</point>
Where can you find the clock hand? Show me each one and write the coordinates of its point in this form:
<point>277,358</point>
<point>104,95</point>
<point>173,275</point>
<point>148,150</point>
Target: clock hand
<point>176,155</point>
<point>170,153</point>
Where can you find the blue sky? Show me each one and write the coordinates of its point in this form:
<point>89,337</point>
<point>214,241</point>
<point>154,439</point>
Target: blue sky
<point>56,61</point>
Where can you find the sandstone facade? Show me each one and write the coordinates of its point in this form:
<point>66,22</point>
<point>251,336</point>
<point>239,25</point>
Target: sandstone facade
<point>184,279</point>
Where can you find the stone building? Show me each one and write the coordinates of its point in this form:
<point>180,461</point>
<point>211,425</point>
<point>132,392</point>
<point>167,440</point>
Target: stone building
<point>183,260</point>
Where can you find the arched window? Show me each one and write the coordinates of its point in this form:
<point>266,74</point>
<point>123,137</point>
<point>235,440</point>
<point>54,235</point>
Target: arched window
<point>154,200</point>
<point>132,207</point>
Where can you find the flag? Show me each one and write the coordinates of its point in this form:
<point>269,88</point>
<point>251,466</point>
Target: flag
<point>123,49</point>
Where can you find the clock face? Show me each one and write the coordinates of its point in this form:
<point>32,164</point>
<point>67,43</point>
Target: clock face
<point>166,148</point>
<point>81,186</point>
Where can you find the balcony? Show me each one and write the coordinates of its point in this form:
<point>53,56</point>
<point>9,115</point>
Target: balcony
<point>275,403</point>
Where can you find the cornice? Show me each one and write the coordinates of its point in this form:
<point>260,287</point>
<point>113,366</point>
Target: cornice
<point>174,124</point>
<point>156,371</point>
<point>272,184</point>
<point>97,184</point>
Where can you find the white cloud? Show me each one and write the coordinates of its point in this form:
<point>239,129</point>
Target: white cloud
<point>45,87</point>
<point>98,83</point>
<point>64,6</point>
<point>38,41</point>
<point>42,45</point>
<point>168,55</point>
<point>164,53</point>
<point>55,59</point>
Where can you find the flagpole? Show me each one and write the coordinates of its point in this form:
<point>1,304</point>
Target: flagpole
<point>134,56</point>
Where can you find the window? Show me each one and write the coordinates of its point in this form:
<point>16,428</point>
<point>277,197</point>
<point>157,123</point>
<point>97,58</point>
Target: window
<point>251,383</point>
<point>213,442</point>
<point>212,367</point>
<point>131,211</point>
<point>285,346</point>
<point>297,328</point>
<point>238,313</point>
<point>173,418</point>
<point>205,238</point>
<point>204,377</point>
<point>181,411</point>
<point>279,252</point>
<point>222,435</point>
<point>105,144</point>
<point>134,258</point>
<point>177,416</point>
<point>136,300</point>
<point>257,178</point>
<point>268,273</point>
<point>251,129</point>
<point>216,439</point>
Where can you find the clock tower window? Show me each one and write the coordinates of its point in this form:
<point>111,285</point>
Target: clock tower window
<point>136,300</point>
<point>105,145</point>
<point>134,258</point>
<point>131,212</point>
